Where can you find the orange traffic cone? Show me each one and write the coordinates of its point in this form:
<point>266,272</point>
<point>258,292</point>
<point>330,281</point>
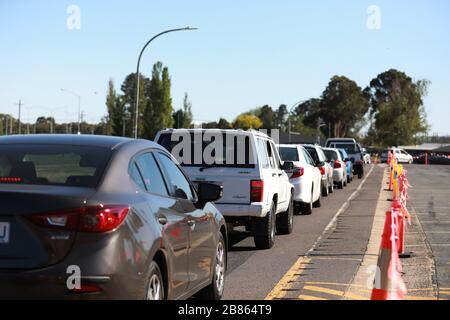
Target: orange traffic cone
<point>389,284</point>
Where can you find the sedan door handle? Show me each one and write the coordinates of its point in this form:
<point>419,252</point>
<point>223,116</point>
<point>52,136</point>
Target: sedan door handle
<point>274,174</point>
<point>162,220</point>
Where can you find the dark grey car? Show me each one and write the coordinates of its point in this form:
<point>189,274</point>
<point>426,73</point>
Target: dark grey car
<point>93,217</point>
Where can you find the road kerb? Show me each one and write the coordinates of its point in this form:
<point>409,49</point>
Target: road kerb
<point>366,272</point>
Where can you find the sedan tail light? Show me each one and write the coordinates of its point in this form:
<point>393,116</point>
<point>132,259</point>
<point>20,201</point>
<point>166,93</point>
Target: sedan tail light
<point>297,172</point>
<point>337,164</point>
<point>256,190</point>
<point>84,219</point>
<point>322,170</point>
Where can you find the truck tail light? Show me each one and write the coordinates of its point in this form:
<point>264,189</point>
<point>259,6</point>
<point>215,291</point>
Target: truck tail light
<point>256,190</point>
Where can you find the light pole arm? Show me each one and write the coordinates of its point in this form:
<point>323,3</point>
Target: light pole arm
<point>138,77</point>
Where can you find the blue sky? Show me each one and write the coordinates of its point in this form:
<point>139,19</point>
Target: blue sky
<point>245,53</point>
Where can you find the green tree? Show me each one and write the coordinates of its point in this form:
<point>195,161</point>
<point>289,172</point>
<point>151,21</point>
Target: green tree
<point>182,118</point>
<point>342,106</point>
<point>224,124</point>
<point>116,121</point>
<point>158,111</point>
<point>247,121</point>
<point>267,116</point>
<point>281,116</point>
<point>396,102</point>
<point>309,112</point>
<point>128,99</point>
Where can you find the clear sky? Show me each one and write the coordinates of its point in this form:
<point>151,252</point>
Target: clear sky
<point>245,53</point>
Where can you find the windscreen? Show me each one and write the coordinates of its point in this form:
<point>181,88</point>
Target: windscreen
<point>62,165</point>
<point>218,149</point>
<point>288,154</point>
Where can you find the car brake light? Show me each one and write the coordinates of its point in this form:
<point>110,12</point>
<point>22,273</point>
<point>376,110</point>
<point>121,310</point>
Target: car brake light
<point>87,288</point>
<point>337,164</point>
<point>322,170</point>
<point>10,180</point>
<point>297,172</point>
<point>256,190</point>
<point>84,219</point>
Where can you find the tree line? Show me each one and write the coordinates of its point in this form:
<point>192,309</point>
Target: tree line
<point>390,109</point>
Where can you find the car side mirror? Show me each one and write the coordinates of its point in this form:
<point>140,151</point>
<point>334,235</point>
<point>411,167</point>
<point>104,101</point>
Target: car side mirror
<point>287,165</point>
<point>347,160</point>
<point>352,159</point>
<point>208,192</point>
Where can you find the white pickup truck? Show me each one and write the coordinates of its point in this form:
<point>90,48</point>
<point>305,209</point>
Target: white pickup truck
<point>256,190</point>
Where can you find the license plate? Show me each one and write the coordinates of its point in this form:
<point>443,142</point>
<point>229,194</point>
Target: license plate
<point>4,232</point>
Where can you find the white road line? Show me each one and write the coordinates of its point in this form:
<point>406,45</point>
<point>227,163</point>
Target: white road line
<point>339,212</point>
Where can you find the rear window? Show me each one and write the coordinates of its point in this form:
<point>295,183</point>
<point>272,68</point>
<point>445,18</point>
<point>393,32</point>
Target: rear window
<point>288,154</point>
<point>62,165</point>
<point>313,153</point>
<point>216,150</point>
<point>350,148</point>
<point>331,155</point>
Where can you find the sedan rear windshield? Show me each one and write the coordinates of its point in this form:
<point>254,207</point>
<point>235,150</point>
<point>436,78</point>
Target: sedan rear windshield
<point>331,155</point>
<point>289,154</point>
<point>61,165</point>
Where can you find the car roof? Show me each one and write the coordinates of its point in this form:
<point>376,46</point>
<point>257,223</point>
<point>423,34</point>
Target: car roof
<point>235,131</point>
<point>311,145</point>
<point>288,145</point>
<point>73,139</point>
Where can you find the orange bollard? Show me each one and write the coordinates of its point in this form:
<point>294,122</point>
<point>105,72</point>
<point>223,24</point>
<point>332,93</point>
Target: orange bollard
<point>388,285</point>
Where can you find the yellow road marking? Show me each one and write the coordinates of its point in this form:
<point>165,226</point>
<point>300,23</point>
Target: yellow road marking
<point>306,297</point>
<point>336,284</point>
<point>337,258</point>
<point>280,289</point>
<point>419,298</point>
<point>334,292</point>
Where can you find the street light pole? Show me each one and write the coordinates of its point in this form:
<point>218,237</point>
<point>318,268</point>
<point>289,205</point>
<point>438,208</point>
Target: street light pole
<point>138,77</point>
<point>289,116</point>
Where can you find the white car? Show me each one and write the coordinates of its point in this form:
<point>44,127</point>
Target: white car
<point>305,177</point>
<point>257,193</point>
<point>339,167</point>
<point>366,156</point>
<point>316,153</point>
<point>401,155</point>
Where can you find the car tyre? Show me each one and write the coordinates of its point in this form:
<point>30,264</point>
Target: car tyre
<point>360,175</point>
<point>307,207</point>
<point>325,190</point>
<point>264,230</point>
<point>318,203</point>
<point>285,220</point>
<point>340,185</point>
<point>155,285</point>
<point>214,291</point>
<point>331,188</point>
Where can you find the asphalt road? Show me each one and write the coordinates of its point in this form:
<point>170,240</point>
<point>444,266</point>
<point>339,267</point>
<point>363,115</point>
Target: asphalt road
<point>326,248</point>
<point>430,201</point>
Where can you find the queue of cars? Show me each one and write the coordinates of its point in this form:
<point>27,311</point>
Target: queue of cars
<point>91,217</point>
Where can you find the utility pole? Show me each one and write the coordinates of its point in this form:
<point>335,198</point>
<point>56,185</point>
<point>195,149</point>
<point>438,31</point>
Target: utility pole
<point>6,125</point>
<point>28,128</point>
<point>11,125</point>
<point>51,125</point>
<point>20,111</point>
